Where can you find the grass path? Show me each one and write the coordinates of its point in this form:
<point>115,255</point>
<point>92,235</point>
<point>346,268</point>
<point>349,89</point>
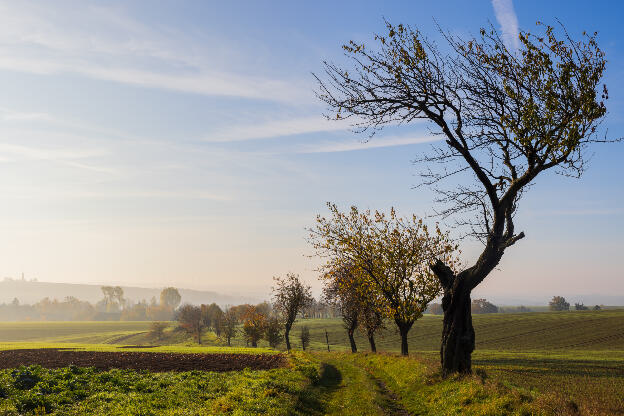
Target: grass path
<point>387,384</point>
<point>349,389</point>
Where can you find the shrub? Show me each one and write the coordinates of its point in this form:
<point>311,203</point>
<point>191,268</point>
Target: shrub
<point>157,330</point>
<point>304,336</point>
<point>558,303</point>
<point>483,306</point>
<point>273,331</point>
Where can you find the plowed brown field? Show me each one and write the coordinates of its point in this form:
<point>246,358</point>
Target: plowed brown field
<point>138,360</point>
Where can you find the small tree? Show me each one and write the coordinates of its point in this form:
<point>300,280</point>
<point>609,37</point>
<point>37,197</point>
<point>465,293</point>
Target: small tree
<point>580,307</point>
<point>290,297</point>
<point>558,303</point>
<point>435,309</point>
<point>254,324</point>
<point>371,321</point>
<point>391,257</point>
<point>190,318</point>
<point>483,306</point>
<point>230,323</point>
<point>597,308</point>
<point>273,331</point>
<point>170,297</point>
<point>157,330</point>
<point>118,295</point>
<point>159,312</point>
<point>304,337</point>
<point>264,308</point>
<point>213,317</point>
<point>342,292</point>
<point>113,298</point>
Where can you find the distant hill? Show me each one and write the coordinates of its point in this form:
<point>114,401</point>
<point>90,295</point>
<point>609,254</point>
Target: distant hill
<point>31,292</point>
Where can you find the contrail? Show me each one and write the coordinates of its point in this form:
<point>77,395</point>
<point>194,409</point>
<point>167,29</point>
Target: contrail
<point>506,16</point>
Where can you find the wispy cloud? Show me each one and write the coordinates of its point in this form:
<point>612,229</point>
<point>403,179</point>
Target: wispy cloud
<point>23,116</point>
<point>151,194</point>
<point>506,17</point>
<point>104,43</point>
<point>377,142</point>
<point>277,128</point>
<point>75,158</point>
<point>38,153</point>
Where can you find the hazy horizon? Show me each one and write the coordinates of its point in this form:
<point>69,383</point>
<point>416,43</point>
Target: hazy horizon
<point>91,292</point>
<point>181,144</point>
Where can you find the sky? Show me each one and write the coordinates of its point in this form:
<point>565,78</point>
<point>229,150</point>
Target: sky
<point>180,143</point>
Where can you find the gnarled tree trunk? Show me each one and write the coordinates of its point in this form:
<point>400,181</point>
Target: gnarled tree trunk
<point>458,336</point>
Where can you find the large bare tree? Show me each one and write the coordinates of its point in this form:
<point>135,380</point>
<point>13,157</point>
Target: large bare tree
<point>504,117</point>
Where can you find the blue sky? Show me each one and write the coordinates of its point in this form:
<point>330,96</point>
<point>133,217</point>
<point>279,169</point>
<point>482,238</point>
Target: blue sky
<point>180,143</point>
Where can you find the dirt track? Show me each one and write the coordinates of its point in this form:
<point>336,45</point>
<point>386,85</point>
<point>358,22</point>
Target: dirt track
<point>138,360</point>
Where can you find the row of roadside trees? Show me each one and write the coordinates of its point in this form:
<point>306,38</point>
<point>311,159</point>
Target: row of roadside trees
<point>263,321</point>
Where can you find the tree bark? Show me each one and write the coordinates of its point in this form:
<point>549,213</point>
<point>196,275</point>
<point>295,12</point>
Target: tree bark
<point>352,340</point>
<point>371,341</point>
<point>199,336</point>
<point>287,337</point>
<point>404,328</point>
<point>458,336</point>
<point>254,343</point>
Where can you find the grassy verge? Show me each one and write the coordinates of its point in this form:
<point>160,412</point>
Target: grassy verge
<point>418,391</point>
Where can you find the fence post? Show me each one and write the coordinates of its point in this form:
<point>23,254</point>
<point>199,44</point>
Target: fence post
<point>327,340</point>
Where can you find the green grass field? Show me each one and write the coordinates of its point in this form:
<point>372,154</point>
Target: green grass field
<point>530,363</point>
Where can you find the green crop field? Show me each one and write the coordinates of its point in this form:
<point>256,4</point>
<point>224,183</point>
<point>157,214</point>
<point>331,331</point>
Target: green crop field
<point>531,363</point>
<point>87,332</point>
<point>582,330</point>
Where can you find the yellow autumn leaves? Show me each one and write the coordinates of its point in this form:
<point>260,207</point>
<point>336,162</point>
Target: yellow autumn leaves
<point>389,257</point>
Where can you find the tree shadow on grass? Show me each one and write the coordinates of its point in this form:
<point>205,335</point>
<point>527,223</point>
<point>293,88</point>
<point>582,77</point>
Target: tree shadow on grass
<point>311,400</point>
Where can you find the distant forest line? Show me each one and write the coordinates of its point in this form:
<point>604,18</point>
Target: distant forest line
<point>113,306</point>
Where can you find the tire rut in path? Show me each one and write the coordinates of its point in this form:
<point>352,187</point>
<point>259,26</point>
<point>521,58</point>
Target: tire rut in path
<point>389,402</point>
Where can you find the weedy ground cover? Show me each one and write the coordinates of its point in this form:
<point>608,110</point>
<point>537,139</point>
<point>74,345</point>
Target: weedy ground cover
<point>314,384</point>
<point>85,391</point>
